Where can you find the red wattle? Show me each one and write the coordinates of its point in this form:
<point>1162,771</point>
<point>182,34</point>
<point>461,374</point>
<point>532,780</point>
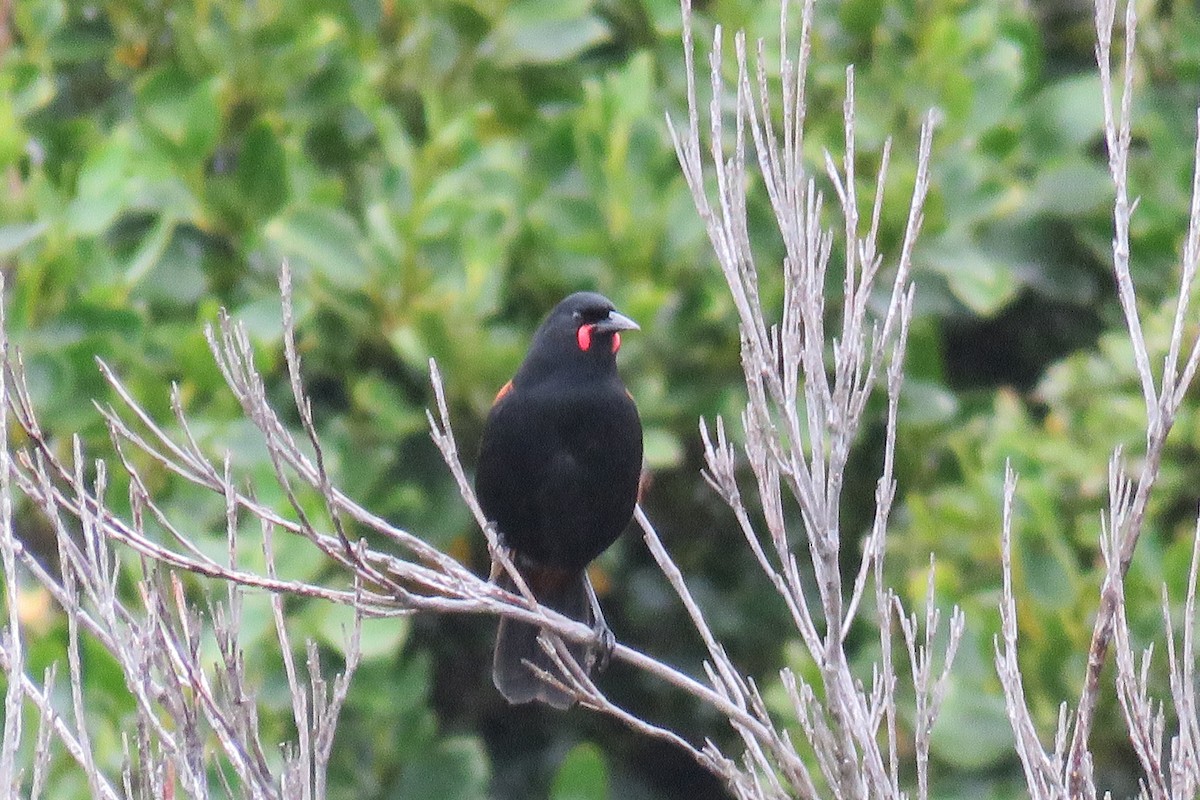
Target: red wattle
<point>584,337</point>
<point>616,341</point>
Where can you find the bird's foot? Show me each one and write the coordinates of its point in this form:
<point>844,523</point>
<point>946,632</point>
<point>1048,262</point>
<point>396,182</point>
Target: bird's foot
<point>501,554</point>
<point>600,653</point>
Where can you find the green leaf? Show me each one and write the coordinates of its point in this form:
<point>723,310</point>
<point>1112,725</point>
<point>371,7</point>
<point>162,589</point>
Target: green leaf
<point>582,776</point>
<point>151,251</point>
<point>1048,578</point>
<point>182,111</point>
<point>453,769</point>
<point>1073,188</point>
<point>324,240</point>
<point>528,13</point>
<point>176,274</point>
<point>78,45</point>
<point>102,189</point>
<point>12,137</point>
<point>997,88</point>
<point>30,89</point>
<point>634,86</point>
<point>37,22</point>
<point>664,15</point>
<point>14,237</point>
<point>861,16</point>
<point>538,32</point>
<point>972,731</point>
<point>924,402</point>
<point>662,449</point>
<point>982,287</point>
<point>980,282</point>
<point>389,410</point>
<point>380,637</point>
<point>262,172</point>
<point>1068,113</point>
<point>263,318</point>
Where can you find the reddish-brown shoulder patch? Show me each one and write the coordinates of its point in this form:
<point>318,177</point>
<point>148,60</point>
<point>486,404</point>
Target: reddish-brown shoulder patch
<point>644,482</point>
<point>505,389</point>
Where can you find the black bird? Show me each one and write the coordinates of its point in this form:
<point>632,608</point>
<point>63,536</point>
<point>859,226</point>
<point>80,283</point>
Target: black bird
<point>559,464</point>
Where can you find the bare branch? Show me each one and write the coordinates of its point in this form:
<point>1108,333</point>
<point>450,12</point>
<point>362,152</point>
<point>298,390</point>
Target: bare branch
<point>10,636</point>
<point>808,390</point>
<point>1068,771</point>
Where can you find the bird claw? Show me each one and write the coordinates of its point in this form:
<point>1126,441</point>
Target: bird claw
<point>502,554</point>
<point>601,653</point>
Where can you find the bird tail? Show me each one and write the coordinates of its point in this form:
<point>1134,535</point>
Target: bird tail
<point>517,642</point>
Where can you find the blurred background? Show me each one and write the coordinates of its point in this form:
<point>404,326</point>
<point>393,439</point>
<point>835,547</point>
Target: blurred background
<point>440,173</point>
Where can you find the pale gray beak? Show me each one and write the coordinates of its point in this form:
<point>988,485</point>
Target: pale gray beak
<point>616,322</point>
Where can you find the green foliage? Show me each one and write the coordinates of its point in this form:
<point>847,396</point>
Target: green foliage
<point>439,174</point>
<point>390,745</point>
<point>1085,407</point>
<point>583,775</point>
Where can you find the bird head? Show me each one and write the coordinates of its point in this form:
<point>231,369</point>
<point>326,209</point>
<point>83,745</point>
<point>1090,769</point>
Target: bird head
<point>596,322</point>
<point>583,331</point>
